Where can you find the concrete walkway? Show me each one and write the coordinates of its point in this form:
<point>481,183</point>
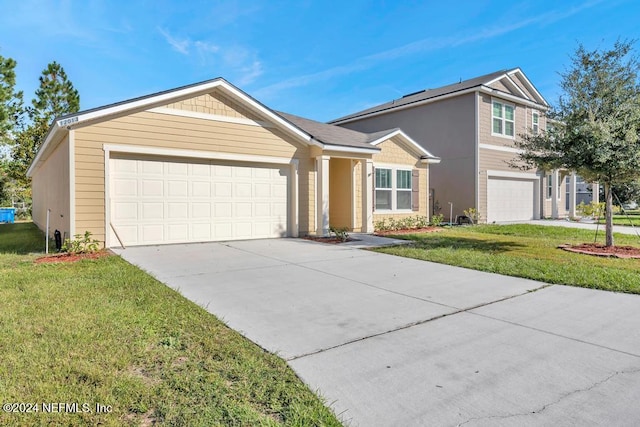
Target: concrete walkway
<point>392,341</point>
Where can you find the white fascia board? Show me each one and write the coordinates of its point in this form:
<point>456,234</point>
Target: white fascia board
<point>410,105</point>
<point>515,175</point>
<point>515,85</point>
<point>431,161</point>
<point>398,132</point>
<point>195,154</point>
<point>182,93</point>
<point>500,148</point>
<point>529,85</point>
<point>271,115</point>
<point>54,131</point>
<point>516,99</point>
<point>346,149</point>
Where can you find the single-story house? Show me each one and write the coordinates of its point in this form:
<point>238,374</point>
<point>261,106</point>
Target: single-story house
<point>207,162</point>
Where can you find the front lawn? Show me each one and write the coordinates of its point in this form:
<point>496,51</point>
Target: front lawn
<point>528,251</point>
<point>102,332</point>
<point>627,220</point>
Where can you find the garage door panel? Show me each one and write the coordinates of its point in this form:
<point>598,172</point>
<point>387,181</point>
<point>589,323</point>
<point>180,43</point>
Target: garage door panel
<point>510,199</point>
<point>161,201</point>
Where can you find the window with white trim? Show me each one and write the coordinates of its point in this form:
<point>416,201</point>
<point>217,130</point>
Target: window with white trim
<point>403,189</point>
<point>384,189</point>
<point>393,188</point>
<point>535,122</point>
<point>549,187</point>
<point>503,116</point>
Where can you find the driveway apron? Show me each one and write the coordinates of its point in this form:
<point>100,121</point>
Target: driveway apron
<point>394,341</point>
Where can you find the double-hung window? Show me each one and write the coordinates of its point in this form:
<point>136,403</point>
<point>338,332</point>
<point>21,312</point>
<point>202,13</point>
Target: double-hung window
<point>393,189</point>
<point>535,122</point>
<point>549,186</point>
<point>384,189</point>
<point>503,116</point>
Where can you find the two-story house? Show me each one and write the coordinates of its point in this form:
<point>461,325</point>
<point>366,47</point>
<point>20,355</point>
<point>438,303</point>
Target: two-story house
<point>472,125</point>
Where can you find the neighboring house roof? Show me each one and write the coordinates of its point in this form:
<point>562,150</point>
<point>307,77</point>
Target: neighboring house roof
<point>335,135</point>
<point>466,86</point>
<point>61,125</point>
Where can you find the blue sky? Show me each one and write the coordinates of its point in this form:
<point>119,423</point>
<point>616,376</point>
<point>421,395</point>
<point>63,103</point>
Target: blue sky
<point>318,59</point>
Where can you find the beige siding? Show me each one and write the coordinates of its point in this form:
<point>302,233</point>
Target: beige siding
<point>446,129</point>
<point>173,132</point>
<point>340,175</point>
<point>516,79</point>
<point>214,103</point>
<point>50,187</point>
<point>500,86</point>
<point>547,210</point>
<point>394,152</point>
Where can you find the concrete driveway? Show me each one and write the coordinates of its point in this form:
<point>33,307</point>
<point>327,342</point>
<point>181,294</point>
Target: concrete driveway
<point>392,341</point>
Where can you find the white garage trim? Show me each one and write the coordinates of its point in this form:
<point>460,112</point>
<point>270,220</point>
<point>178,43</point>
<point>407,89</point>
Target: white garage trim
<point>72,184</point>
<point>292,223</point>
<point>533,178</point>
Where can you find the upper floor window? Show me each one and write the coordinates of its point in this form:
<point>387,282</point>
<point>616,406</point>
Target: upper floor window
<point>503,119</point>
<point>535,122</point>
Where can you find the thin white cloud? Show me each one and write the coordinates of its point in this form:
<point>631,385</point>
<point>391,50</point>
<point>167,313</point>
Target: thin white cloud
<point>238,60</point>
<point>181,46</point>
<point>250,73</point>
<point>419,46</point>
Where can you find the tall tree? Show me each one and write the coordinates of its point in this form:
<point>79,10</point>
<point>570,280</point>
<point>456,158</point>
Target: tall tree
<point>11,104</point>
<point>55,96</point>
<point>597,123</point>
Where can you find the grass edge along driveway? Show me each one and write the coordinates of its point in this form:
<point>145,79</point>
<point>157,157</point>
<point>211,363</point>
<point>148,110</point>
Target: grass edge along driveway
<point>104,332</point>
<point>527,251</point>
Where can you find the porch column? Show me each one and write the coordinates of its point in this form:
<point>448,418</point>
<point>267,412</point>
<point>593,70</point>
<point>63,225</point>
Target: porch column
<point>572,195</point>
<point>322,196</point>
<point>293,211</point>
<point>595,192</point>
<point>367,195</point>
<point>554,194</point>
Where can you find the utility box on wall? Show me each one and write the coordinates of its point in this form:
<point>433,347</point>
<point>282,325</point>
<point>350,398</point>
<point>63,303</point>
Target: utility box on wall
<point>8,215</point>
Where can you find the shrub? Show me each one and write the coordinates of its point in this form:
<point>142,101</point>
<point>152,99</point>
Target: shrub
<point>593,209</point>
<point>80,244</point>
<point>341,233</point>
<point>436,220</point>
<point>472,213</point>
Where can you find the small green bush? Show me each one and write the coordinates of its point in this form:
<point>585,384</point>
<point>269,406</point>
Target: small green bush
<point>437,220</point>
<point>80,244</point>
<point>341,233</point>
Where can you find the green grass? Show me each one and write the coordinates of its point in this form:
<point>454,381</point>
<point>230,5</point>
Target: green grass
<point>528,251</point>
<point>104,332</point>
<point>625,220</point>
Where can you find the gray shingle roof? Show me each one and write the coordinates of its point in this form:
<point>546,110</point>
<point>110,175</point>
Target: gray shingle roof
<point>427,94</point>
<point>335,135</point>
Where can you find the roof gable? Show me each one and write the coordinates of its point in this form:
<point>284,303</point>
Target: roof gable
<point>511,82</point>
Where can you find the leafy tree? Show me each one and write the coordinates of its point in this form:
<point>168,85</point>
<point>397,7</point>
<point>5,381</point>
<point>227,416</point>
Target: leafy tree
<point>626,192</point>
<point>597,123</point>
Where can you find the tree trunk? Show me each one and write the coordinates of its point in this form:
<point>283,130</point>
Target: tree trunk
<point>608,195</point>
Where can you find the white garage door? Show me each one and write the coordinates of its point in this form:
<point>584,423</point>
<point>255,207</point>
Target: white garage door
<point>172,201</point>
<point>510,199</point>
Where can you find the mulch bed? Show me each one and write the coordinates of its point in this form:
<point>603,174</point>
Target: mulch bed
<point>66,257</point>
<point>598,249</point>
<point>409,231</point>
<point>333,240</point>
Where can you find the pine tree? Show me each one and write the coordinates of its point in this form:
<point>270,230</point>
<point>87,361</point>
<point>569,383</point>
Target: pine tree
<point>11,105</point>
<point>54,97</point>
